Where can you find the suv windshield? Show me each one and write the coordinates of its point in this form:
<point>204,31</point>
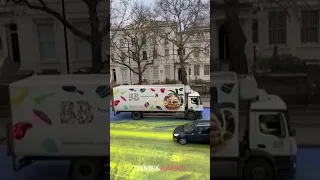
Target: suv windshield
<point>189,126</point>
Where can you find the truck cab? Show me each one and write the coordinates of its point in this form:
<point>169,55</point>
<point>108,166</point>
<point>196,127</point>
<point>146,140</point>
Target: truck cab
<point>195,103</point>
<point>271,131</point>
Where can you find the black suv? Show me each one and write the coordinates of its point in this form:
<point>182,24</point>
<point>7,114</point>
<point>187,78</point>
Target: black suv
<point>197,131</point>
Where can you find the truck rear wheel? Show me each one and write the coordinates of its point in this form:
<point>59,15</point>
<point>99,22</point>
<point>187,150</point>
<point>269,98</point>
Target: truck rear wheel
<point>191,115</point>
<point>85,169</point>
<point>136,115</point>
<point>258,169</point>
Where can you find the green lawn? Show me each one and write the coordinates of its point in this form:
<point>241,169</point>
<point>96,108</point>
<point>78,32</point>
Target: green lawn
<point>147,142</point>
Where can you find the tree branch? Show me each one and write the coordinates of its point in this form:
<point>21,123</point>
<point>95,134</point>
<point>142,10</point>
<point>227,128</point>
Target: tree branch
<point>44,8</point>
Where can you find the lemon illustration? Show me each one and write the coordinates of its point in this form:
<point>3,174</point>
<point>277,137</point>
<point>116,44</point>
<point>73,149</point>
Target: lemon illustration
<point>19,97</point>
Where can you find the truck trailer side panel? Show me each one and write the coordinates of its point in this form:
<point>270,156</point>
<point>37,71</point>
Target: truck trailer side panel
<point>61,116</point>
<point>149,98</point>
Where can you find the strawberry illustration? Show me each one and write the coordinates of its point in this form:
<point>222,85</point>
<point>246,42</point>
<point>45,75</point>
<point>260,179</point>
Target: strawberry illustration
<point>116,102</point>
<point>20,130</point>
<point>162,90</point>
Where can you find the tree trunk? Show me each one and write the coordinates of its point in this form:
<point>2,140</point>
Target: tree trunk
<point>182,68</point>
<point>237,39</point>
<point>140,78</point>
<point>96,42</point>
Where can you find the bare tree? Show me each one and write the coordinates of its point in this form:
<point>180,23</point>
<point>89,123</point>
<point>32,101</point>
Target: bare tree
<point>97,30</point>
<point>136,46</point>
<point>182,17</point>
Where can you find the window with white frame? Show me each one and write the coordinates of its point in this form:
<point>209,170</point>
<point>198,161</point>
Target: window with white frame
<point>277,27</point>
<point>124,72</point>
<point>196,52</point>
<point>135,76</point>
<point>47,44</point>
<point>309,26</point>
<point>207,52</point>
<point>196,70</point>
<point>166,52</point>
<point>155,73</point>
<point>83,51</point>
<point>167,72</point>
<point>206,70</point>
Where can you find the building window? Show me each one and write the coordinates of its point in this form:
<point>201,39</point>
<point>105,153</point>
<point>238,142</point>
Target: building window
<point>83,48</point>
<point>196,69</point>
<point>196,52</point>
<point>114,75</point>
<point>166,41</point>
<point>122,42</point>
<point>277,28</point>
<point>155,73</point>
<point>112,56</point>
<point>144,55</point>
<point>167,72</point>
<point>155,54</point>
<point>166,52</point>
<point>309,27</point>
<point>206,70</point>
<point>143,41</point>
<point>207,52</point>
<point>47,44</point>
<point>123,56</point>
<point>135,75</point>
<point>255,31</point>
<point>124,72</point>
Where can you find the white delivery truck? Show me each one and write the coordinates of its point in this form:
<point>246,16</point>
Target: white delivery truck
<point>157,100</point>
<point>267,148</point>
<point>59,117</point>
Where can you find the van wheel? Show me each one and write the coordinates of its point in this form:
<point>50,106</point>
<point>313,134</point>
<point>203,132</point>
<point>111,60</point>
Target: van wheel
<point>136,115</point>
<point>191,116</point>
<point>183,141</point>
<point>258,169</point>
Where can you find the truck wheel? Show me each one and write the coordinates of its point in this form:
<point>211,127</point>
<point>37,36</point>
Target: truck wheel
<point>191,116</point>
<point>183,141</point>
<point>85,169</point>
<point>258,169</point>
<point>136,115</point>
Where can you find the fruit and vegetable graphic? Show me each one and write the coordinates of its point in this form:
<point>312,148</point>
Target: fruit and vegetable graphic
<point>115,92</point>
<point>162,90</point>
<point>42,116</point>
<point>132,90</point>
<point>20,129</point>
<point>146,104</point>
<point>103,91</point>
<point>227,88</point>
<point>153,90</point>
<point>172,101</point>
<point>116,102</point>
<point>123,98</point>
<point>142,90</point>
<point>222,121</point>
<point>72,89</point>
<point>49,145</point>
<point>20,97</point>
<point>40,99</point>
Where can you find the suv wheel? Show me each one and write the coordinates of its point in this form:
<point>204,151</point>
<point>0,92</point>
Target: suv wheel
<point>183,141</point>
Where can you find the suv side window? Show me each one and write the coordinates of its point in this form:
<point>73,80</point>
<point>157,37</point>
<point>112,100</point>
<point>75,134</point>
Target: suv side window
<point>271,124</point>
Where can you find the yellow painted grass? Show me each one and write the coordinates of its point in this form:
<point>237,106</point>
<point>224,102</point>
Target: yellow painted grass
<point>140,143</point>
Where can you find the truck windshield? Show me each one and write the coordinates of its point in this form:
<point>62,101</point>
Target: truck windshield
<point>200,101</point>
<point>291,129</point>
